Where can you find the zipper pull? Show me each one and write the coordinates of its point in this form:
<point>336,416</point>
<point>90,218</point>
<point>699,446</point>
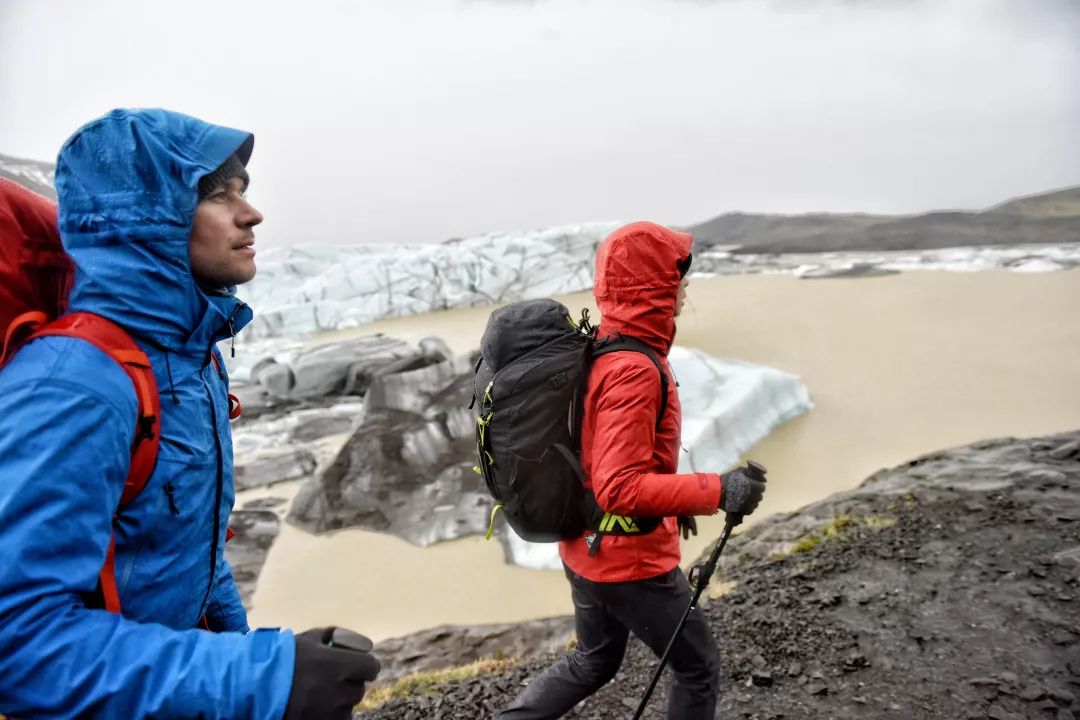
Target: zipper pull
<point>169,490</point>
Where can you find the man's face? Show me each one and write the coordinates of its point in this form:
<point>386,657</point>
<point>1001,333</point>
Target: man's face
<point>682,296</point>
<point>222,245</point>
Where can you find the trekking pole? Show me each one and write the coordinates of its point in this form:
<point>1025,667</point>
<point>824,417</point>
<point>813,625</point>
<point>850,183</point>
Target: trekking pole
<point>700,580</point>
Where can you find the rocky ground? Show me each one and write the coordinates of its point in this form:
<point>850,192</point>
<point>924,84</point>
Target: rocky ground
<point>948,587</point>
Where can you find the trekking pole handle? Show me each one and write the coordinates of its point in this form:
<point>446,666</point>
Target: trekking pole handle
<point>704,572</point>
<point>756,471</point>
<point>349,640</point>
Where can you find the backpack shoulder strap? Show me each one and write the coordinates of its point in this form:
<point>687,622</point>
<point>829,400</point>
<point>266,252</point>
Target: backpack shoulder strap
<point>599,522</point>
<point>112,340</point>
<point>625,342</point>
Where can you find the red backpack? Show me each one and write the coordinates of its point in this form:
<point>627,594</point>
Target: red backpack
<point>35,278</point>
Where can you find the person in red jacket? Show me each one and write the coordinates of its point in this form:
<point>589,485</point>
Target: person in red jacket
<point>633,583</point>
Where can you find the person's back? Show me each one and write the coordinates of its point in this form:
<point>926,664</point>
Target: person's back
<point>152,212</point>
<point>632,582</point>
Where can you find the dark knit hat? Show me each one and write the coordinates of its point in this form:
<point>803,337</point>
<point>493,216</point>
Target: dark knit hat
<point>684,265</point>
<point>231,168</point>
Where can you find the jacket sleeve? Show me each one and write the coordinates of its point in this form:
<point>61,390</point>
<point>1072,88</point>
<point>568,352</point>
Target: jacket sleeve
<point>64,453</point>
<point>627,402</point>
<point>225,611</point>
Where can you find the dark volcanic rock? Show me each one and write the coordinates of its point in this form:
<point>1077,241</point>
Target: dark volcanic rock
<point>343,368</point>
<point>854,270</point>
<point>451,645</point>
<point>407,469</point>
<point>266,503</point>
<point>289,408</point>
<point>933,563</point>
<point>288,464</point>
<point>333,371</point>
<point>246,552</point>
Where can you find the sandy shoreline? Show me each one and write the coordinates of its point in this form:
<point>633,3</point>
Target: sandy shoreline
<point>896,366</point>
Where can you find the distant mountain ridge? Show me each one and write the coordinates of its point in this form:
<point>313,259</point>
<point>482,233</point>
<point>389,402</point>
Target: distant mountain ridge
<point>1051,217</point>
<point>1043,218</point>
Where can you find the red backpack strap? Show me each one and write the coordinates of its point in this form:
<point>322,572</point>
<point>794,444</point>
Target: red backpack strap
<point>112,340</point>
<point>20,328</point>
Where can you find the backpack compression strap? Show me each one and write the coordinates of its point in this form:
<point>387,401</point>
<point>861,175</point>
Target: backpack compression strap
<point>112,340</point>
<point>608,524</point>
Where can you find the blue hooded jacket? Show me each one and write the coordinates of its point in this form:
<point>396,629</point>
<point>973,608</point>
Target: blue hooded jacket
<point>127,187</point>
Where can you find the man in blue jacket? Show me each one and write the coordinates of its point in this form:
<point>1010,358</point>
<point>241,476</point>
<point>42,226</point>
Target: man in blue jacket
<point>152,212</point>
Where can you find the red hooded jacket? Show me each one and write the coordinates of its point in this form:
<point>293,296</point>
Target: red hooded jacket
<point>630,466</point>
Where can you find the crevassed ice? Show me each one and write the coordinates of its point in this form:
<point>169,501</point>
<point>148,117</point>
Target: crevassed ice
<point>306,289</point>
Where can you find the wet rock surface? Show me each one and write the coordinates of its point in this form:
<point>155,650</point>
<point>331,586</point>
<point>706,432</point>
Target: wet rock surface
<point>451,645</point>
<point>295,407</point>
<point>408,468</point>
<point>272,379</point>
<point>256,527</point>
<point>948,587</point>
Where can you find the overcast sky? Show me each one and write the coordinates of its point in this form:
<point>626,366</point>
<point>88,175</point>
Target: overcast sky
<point>420,120</point>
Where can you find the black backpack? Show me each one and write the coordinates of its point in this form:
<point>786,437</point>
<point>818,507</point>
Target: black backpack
<point>529,389</point>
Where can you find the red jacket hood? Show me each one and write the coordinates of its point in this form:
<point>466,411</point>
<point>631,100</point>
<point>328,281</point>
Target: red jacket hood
<point>637,282</point>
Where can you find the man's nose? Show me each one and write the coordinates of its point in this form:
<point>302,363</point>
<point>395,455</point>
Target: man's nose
<point>248,215</point>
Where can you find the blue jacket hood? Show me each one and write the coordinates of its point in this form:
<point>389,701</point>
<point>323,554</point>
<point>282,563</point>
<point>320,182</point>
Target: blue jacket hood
<point>127,185</point>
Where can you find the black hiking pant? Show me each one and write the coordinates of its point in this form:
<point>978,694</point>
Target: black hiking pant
<point>605,614</point>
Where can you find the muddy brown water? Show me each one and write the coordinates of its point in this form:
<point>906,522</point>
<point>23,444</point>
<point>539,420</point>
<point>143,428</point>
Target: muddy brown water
<point>896,366</point>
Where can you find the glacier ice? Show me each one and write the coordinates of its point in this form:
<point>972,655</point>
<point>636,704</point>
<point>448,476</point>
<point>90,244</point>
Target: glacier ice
<point>306,289</point>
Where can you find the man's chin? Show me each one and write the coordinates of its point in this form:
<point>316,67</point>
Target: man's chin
<point>245,277</point>
<point>235,276</point>
<point>243,271</point>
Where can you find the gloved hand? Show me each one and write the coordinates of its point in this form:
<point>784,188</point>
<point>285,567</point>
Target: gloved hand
<point>329,674</point>
<point>687,526</point>
<point>740,492</point>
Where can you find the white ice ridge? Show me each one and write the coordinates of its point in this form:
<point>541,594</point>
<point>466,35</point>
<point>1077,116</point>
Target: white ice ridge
<point>36,172</point>
<point>722,260</point>
<point>306,289</point>
<point>728,406</point>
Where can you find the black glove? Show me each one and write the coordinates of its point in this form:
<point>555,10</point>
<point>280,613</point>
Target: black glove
<point>688,526</point>
<point>740,492</point>
<point>332,665</point>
